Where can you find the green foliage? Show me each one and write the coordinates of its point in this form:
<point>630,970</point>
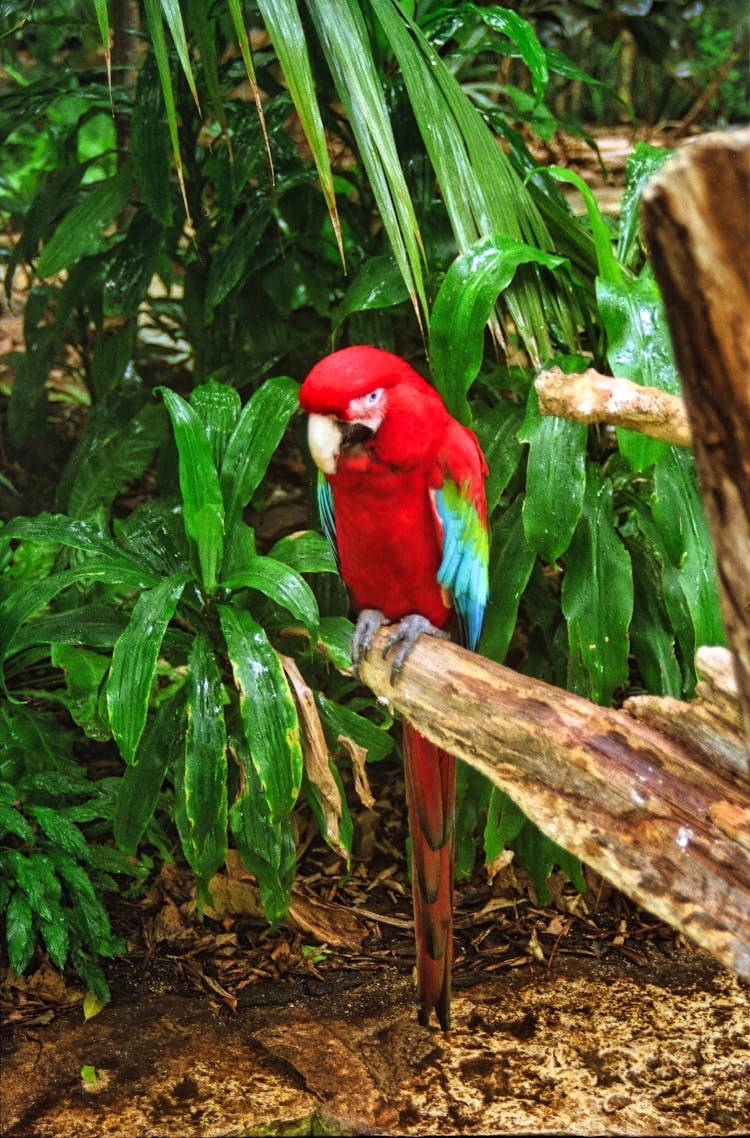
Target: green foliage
<point>53,868</point>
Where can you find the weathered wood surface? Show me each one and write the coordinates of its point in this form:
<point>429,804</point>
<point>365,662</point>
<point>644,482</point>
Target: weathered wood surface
<point>696,215</point>
<point>630,801</point>
<point>590,397</point>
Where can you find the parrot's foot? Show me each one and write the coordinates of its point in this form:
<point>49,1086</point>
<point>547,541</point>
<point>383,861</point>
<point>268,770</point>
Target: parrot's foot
<point>368,623</point>
<point>405,636</point>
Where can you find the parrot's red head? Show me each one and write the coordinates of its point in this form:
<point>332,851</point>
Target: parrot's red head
<point>367,404</point>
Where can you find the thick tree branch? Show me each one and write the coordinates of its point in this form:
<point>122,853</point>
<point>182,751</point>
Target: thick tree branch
<point>630,801</point>
<point>595,398</point>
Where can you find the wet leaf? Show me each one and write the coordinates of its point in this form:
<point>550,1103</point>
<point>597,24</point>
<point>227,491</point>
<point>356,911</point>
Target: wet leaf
<point>510,568</point>
<point>81,231</point>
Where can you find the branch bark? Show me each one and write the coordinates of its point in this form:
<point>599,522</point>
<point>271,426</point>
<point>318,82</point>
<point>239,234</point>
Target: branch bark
<point>590,397</point>
<point>697,225</point>
<point>633,803</point>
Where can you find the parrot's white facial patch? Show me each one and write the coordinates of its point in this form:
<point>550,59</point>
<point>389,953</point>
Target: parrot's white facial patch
<point>368,409</point>
<point>324,439</point>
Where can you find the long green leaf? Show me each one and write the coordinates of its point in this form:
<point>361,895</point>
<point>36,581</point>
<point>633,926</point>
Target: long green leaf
<point>235,9</point>
<point>597,596</point>
<point>253,441</point>
<point>202,503</point>
<point>284,26</point>
<point>82,231</point>
<point>345,41</point>
<point>555,479</point>
<point>464,305</point>
<point>268,711</point>
<point>482,193</point>
<point>159,45</point>
<point>173,16</point>
<point>266,847</point>
<point>150,141</point>
<point>139,788</point>
<point>522,34</point>
<point>134,662</point>
<point>205,776</point>
<point>218,407</point>
<point>82,535</point>
<point>510,568</point>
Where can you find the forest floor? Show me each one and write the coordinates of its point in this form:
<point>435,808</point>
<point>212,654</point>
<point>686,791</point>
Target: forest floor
<point>583,1015</point>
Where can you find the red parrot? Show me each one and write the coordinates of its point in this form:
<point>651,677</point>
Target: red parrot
<point>401,496</point>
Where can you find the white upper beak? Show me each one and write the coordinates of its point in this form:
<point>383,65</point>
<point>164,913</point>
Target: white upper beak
<point>324,438</point>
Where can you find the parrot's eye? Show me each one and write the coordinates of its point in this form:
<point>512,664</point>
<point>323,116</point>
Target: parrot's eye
<point>372,397</point>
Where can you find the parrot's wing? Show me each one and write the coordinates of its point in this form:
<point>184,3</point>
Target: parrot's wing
<point>461,516</point>
<point>325,508</point>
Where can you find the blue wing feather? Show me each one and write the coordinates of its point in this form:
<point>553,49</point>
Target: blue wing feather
<point>325,509</point>
<point>463,568</point>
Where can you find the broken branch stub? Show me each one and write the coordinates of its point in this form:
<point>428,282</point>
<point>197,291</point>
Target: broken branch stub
<point>630,801</point>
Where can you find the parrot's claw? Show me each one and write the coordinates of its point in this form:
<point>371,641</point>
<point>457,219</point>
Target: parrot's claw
<point>368,623</point>
<point>405,636</point>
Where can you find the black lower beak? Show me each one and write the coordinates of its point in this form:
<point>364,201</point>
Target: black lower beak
<point>354,434</point>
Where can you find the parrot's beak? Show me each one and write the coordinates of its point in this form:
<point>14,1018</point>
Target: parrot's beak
<point>324,437</point>
<point>327,436</point>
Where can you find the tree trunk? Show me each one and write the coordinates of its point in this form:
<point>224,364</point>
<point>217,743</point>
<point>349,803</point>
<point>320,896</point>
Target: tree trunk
<point>697,224</point>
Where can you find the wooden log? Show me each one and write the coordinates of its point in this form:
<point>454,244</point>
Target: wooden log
<point>697,225</point>
<point>595,398</point>
<point>628,800</point>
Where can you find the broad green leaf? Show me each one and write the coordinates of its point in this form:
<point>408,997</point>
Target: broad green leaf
<point>505,821</point>
<point>139,788</point>
<point>134,662</point>
<point>229,262</point>
<point>463,306</point>
<point>35,876</point>
<point>95,625</point>
<point>129,274</point>
<point>539,855</point>
<point>266,848</point>
<point>82,230</point>
<point>202,503</point>
<point>19,932</point>
<point>307,552</point>
<point>497,434</point>
<point>29,600</point>
<point>336,638</point>
<point>61,831</point>
<point>555,479</point>
<point>13,822</point>
<point>205,774</point>
<point>281,584</point>
<point>86,537</point>
<point>346,43</point>
<point>641,166</point>
<point>639,348</point>
<point>597,596</point>
<point>689,558</point>
<point>149,143</point>
<point>652,639</point>
<point>284,25</point>
<point>378,284</point>
<point>256,436</point>
<point>85,689</point>
<point>522,34</point>
<point>338,719</point>
<point>218,407</point>
<point>510,568</point>
<point>55,936</point>
<point>269,714</point>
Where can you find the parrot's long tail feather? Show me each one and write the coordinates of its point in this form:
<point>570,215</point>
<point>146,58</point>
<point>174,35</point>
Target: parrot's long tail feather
<point>431,797</point>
